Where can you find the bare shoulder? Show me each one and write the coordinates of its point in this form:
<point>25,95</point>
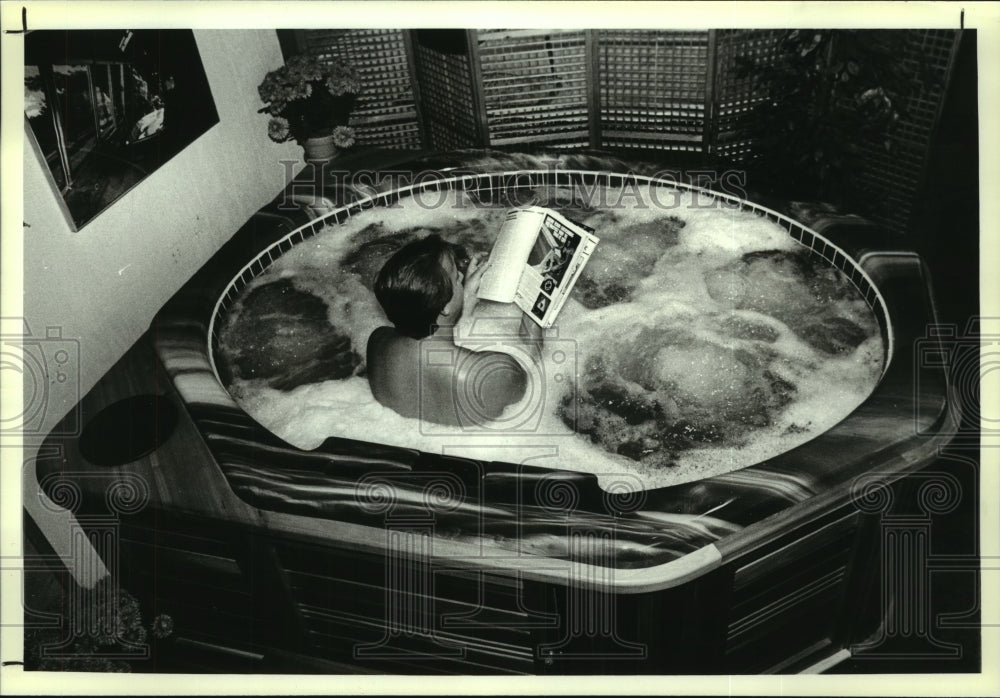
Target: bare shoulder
<point>385,346</point>
<point>380,336</point>
<point>381,342</point>
<point>390,368</point>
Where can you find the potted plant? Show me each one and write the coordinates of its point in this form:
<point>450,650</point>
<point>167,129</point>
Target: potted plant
<point>829,94</point>
<point>310,101</point>
<point>99,629</point>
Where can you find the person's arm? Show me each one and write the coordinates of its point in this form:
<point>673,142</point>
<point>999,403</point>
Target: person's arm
<point>473,278</point>
<point>529,334</point>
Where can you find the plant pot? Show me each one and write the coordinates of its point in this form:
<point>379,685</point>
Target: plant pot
<point>321,149</point>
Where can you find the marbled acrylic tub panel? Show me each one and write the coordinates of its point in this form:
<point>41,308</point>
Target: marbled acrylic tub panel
<point>700,339</point>
<point>527,506</point>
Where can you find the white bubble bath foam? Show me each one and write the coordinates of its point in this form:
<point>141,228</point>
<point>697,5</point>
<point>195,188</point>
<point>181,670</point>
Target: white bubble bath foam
<point>701,338</point>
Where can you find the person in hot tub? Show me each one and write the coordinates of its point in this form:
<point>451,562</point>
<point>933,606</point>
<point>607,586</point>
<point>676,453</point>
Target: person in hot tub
<point>415,367</point>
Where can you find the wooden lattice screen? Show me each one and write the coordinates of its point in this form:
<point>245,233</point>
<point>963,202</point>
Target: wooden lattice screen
<point>896,174</point>
<point>655,89</point>
<point>893,174</point>
<point>445,78</point>
<point>535,86</point>
<point>733,122</point>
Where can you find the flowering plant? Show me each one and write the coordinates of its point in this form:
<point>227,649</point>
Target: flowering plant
<point>106,627</point>
<point>832,95</point>
<point>309,98</point>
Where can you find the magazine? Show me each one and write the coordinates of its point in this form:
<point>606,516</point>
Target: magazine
<point>535,261</point>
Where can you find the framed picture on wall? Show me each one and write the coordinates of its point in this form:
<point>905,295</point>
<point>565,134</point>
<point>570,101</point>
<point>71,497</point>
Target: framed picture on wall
<point>106,108</point>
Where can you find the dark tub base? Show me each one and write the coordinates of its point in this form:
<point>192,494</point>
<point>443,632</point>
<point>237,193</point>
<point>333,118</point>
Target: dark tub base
<point>500,581</point>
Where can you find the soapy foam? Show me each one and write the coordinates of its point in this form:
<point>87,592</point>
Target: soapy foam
<point>673,297</point>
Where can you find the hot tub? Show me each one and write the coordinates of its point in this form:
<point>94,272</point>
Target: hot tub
<point>400,559</point>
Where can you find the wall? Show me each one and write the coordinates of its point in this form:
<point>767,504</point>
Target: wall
<point>101,286</point>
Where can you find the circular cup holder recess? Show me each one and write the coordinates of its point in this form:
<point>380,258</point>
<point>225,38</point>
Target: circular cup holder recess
<point>128,430</point>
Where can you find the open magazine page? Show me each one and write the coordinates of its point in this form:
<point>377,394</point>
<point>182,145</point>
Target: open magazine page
<point>553,267</point>
<point>510,254</point>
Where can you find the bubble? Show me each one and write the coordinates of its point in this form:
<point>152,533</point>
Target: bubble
<point>722,346</point>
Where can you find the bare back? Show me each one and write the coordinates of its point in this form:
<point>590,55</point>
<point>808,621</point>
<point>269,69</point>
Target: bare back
<point>434,380</point>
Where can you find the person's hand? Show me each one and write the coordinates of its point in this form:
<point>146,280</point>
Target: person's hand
<point>473,278</point>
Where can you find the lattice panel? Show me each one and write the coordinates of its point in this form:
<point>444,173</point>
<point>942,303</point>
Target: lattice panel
<point>668,90</point>
<point>735,97</point>
<point>535,86</point>
<point>385,113</point>
<point>446,97</point>
<point>653,88</point>
<point>896,174</point>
